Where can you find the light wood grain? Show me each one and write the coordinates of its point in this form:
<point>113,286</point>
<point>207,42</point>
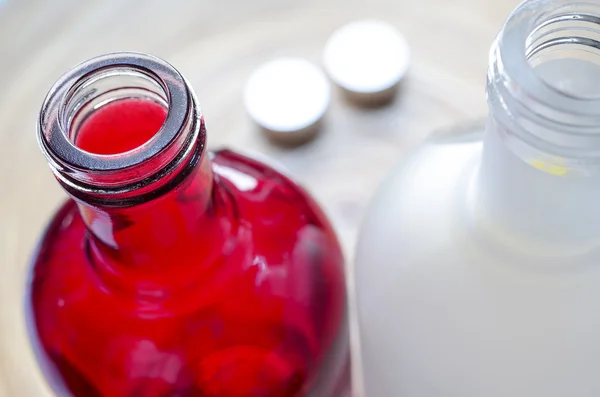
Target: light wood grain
<point>216,44</point>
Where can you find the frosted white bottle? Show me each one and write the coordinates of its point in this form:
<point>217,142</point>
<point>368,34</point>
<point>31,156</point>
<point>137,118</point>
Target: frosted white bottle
<point>478,265</point>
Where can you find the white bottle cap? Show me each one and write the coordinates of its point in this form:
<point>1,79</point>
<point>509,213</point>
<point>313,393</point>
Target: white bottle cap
<point>367,59</point>
<point>287,97</point>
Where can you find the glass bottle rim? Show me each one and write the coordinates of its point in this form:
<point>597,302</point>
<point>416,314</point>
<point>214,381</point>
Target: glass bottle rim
<point>513,49</point>
<point>541,122</point>
<point>128,171</point>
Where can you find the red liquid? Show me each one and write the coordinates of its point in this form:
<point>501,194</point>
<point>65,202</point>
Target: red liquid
<point>121,126</point>
<point>224,286</point>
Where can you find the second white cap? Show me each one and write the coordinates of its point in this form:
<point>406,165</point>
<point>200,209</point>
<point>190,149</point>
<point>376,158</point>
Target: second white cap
<point>367,57</point>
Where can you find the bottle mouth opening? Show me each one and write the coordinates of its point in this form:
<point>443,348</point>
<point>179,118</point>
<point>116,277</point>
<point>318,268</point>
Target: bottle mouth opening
<point>564,51</point>
<point>562,36</point>
<point>114,111</point>
<point>95,85</point>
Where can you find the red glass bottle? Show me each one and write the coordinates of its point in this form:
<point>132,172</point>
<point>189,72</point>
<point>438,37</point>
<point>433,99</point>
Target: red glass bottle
<point>173,271</point>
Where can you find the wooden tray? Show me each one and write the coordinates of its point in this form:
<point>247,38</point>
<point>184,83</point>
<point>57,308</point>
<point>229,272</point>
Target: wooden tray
<point>216,44</point>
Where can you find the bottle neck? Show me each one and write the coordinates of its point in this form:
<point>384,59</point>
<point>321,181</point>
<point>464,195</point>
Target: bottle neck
<point>144,235</point>
<point>124,136</point>
<point>535,204</point>
<point>539,178</point>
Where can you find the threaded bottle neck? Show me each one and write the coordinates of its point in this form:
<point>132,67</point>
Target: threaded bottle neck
<point>139,173</point>
<point>539,178</point>
<point>544,84</point>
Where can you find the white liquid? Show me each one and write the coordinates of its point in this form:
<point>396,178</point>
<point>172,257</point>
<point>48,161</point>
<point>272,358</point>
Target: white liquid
<point>474,287</point>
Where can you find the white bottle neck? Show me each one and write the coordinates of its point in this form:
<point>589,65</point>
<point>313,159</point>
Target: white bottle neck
<point>535,207</point>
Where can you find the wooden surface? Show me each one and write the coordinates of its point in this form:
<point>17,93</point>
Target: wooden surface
<point>216,44</point>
